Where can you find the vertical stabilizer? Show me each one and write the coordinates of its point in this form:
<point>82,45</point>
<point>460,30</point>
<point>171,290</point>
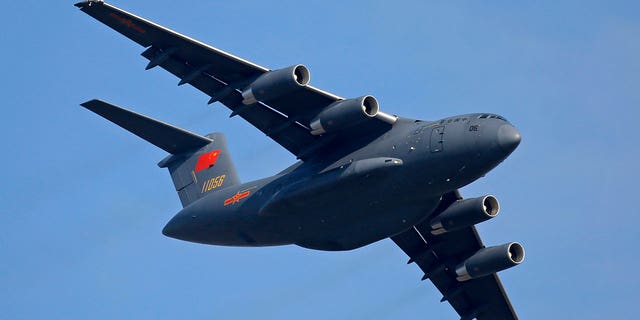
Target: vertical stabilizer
<point>197,164</point>
<point>208,169</point>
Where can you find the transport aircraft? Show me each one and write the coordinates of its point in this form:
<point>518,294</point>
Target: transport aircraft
<point>362,176</point>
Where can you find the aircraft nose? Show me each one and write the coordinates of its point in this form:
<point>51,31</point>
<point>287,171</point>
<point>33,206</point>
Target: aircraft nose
<point>508,138</point>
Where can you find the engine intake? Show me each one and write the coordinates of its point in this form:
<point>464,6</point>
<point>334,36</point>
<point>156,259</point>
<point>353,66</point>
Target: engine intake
<point>465,213</point>
<point>344,114</point>
<point>276,83</point>
<point>490,260</point>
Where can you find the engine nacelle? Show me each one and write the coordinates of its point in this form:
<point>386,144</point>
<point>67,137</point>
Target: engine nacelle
<point>465,213</point>
<point>276,83</point>
<point>344,114</point>
<point>490,260</point>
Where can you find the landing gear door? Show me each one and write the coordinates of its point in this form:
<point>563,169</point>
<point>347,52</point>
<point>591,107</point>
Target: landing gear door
<point>437,139</point>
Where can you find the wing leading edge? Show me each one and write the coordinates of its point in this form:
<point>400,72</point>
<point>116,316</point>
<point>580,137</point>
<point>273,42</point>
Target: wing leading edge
<point>437,256</point>
<point>169,138</point>
<point>223,76</point>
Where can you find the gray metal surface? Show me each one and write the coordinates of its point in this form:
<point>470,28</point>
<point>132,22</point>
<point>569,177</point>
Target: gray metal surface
<point>361,179</point>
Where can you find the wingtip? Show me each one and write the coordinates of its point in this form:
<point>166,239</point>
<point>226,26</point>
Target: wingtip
<point>95,104</point>
<point>87,3</point>
<point>88,103</point>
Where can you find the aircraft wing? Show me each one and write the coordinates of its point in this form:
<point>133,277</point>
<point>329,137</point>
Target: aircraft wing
<point>482,298</point>
<point>222,76</point>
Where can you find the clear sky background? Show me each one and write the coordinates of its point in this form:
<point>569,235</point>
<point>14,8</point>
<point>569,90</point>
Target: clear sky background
<point>83,203</point>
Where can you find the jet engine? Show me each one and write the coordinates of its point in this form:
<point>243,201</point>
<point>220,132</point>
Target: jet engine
<point>276,83</point>
<point>465,213</point>
<point>490,260</point>
<point>343,114</point>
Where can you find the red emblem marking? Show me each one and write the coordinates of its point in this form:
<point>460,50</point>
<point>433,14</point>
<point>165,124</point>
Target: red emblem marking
<point>207,160</point>
<point>237,197</point>
<point>127,22</point>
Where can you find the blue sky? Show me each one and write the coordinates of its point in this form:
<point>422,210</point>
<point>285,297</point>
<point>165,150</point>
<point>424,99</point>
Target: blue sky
<point>83,202</point>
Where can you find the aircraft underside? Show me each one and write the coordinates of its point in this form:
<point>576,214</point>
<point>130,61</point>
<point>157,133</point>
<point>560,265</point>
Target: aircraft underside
<point>310,215</point>
<point>363,175</point>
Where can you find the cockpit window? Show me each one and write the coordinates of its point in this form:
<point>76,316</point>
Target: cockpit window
<point>491,116</point>
<point>495,116</point>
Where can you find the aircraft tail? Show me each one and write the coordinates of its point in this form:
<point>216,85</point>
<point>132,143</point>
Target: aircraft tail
<point>197,164</point>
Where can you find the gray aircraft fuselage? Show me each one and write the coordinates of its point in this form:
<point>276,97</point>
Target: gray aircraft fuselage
<point>413,164</point>
<point>363,175</point>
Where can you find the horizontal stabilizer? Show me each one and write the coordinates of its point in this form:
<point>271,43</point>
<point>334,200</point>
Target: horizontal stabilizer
<point>163,135</point>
